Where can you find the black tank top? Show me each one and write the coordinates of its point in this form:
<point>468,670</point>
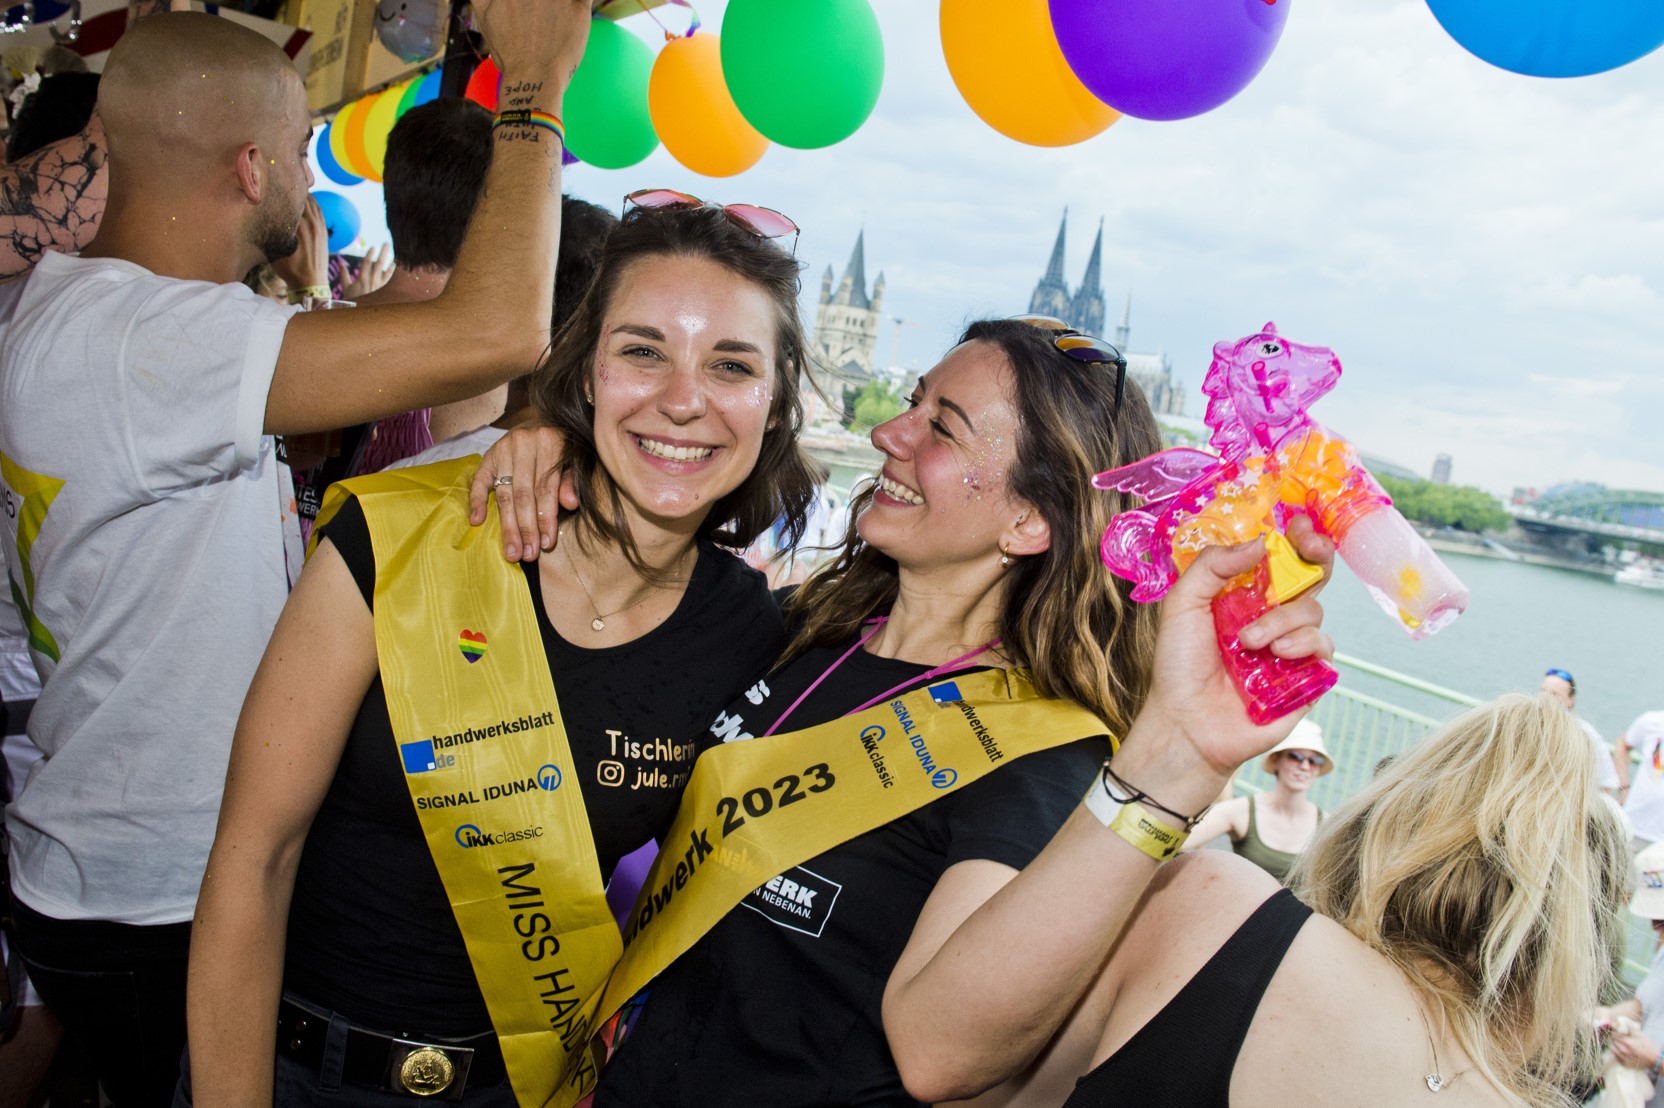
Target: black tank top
<point>1184,1056</point>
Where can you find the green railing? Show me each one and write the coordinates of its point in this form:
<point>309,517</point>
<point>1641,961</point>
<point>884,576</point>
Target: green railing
<point>1360,729</point>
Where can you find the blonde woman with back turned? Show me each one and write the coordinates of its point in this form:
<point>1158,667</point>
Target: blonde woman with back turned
<point>1453,920</point>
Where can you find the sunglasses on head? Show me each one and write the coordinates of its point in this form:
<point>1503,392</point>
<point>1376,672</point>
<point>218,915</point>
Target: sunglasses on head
<point>1082,348</point>
<point>1301,758</point>
<point>1563,675</point>
<point>765,223</point>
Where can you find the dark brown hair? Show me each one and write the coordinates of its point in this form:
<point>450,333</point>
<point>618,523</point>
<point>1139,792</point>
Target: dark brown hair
<point>1063,618</point>
<point>437,157</point>
<point>781,486</point>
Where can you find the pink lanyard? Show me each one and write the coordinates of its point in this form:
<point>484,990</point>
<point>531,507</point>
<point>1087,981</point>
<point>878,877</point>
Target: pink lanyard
<point>929,675</point>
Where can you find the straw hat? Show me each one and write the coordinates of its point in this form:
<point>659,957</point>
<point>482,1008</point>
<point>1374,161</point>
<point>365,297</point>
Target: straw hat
<point>1305,736</point>
<point>1648,901</point>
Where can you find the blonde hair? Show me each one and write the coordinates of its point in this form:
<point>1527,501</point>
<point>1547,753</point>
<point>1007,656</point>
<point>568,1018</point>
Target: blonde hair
<point>1483,864</point>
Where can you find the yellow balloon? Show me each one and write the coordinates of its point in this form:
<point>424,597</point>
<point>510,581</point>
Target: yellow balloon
<point>382,113</point>
<point>693,113</point>
<point>357,114</point>
<point>338,137</point>
<point>1007,65</point>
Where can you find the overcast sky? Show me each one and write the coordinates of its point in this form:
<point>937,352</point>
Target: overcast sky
<point>1484,251</point>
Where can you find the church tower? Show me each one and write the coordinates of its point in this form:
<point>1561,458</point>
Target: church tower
<point>846,321</point>
<point>1086,308</point>
<point>1051,295</point>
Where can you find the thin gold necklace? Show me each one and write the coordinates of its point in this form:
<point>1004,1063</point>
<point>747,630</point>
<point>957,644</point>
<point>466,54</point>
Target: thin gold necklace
<point>599,623</point>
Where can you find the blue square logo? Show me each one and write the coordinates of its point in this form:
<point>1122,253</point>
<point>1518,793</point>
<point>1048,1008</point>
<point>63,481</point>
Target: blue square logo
<point>418,757</point>
<point>945,693</point>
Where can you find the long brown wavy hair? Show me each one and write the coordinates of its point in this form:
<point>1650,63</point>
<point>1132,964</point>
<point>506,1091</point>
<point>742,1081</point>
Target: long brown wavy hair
<point>781,486</point>
<point>1063,617</point>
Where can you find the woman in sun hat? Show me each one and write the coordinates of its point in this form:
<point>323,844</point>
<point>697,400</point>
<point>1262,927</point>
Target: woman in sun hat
<point>1271,829</point>
<point>1639,1047</point>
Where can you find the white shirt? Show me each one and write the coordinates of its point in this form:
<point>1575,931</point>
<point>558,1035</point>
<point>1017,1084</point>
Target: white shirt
<point>1606,768</point>
<point>146,529</point>
<point>1645,803</point>
<point>477,441</point>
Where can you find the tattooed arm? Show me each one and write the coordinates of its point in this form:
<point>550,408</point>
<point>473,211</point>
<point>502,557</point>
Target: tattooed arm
<point>52,199</point>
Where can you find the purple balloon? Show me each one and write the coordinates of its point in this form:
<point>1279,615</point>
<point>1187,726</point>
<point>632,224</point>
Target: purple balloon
<point>1167,59</point>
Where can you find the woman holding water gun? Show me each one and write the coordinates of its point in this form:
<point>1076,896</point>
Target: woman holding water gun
<point>938,716</point>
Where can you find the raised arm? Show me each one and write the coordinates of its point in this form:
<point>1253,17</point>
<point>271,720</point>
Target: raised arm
<point>319,664</point>
<point>1227,818</point>
<point>956,1029</point>
<point>492,321</point>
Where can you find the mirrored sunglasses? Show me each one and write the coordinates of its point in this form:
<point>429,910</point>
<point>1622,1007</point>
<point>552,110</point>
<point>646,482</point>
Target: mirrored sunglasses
<point>1082,348</point>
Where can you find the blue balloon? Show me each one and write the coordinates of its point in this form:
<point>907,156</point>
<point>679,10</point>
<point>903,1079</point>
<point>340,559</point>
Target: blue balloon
<point>326,161</point>
<point>340,217</point>
<point>428,89</point>
<point>1554,38</point>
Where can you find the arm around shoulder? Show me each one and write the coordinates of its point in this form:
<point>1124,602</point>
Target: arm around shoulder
<point>317,668</point>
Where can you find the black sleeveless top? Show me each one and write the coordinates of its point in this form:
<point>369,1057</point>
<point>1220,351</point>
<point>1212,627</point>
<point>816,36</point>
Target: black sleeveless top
<point>1184,1056</point>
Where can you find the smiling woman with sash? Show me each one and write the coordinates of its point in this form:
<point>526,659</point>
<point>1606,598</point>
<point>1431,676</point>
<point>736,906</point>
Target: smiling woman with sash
<point>953,681</point>
<point>414,852</point>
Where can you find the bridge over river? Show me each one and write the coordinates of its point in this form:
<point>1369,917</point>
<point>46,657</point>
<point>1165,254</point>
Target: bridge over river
<point>1592,516</point>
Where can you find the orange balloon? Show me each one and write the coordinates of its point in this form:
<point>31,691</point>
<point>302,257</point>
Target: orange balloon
<point>1007,64</point>
<point>358,153</point>
<point>693,113</point>
<point>378,124</point>
<point>338,137</point>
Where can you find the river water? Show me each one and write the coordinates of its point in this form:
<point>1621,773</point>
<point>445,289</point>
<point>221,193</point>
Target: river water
<point>1521,620</point>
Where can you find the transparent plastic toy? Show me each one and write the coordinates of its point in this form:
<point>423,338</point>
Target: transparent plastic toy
<point>1274,462</point>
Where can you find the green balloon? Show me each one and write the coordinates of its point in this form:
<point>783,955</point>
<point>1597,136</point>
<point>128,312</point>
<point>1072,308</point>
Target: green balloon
<point>607,121</point>
<point>805,73</point>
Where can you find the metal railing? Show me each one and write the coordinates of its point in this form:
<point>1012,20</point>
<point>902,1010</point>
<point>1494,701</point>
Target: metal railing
<point>1361,729</point>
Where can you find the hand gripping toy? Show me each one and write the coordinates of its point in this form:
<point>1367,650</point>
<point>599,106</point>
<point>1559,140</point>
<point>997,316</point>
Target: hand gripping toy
<point>1274,462</point>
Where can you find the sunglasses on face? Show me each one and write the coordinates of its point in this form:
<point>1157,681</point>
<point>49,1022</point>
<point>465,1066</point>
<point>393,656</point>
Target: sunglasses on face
<point>1301,758</point>
<point>765,223</point>
<point>1081,348</point>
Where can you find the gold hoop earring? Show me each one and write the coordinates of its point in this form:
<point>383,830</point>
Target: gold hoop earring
<point>1005,557</point>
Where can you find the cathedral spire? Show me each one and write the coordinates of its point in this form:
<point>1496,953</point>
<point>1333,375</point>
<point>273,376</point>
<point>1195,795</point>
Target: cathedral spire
<point>1090,284</point>
<point>1051,295</point>
<point>1086,307</point>
<point>1054,271</point>
<point>1122,332</point>
<point>854,283</point>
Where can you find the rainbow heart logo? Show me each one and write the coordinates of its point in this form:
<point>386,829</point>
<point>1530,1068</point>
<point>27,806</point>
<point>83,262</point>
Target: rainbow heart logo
<point>472,645</point>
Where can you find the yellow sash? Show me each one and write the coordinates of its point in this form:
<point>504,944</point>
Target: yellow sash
<point>754,809</point>
<point>489,770</point>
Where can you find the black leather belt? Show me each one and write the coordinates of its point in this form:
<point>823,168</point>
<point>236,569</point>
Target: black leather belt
<point>420,1068</point>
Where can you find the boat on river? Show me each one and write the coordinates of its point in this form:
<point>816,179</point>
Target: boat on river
<point>1643,573</point>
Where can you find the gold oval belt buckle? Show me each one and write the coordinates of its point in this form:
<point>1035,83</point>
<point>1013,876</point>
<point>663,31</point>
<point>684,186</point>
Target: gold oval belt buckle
<point>426,1072</point>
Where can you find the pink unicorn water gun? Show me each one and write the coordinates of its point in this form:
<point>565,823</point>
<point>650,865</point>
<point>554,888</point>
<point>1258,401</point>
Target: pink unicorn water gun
<point>1274,462</point>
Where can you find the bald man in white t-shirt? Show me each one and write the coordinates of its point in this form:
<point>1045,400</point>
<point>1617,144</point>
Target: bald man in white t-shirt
<point>150,535</point>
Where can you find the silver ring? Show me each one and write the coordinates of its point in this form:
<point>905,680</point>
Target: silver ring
<point>506,479</point>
